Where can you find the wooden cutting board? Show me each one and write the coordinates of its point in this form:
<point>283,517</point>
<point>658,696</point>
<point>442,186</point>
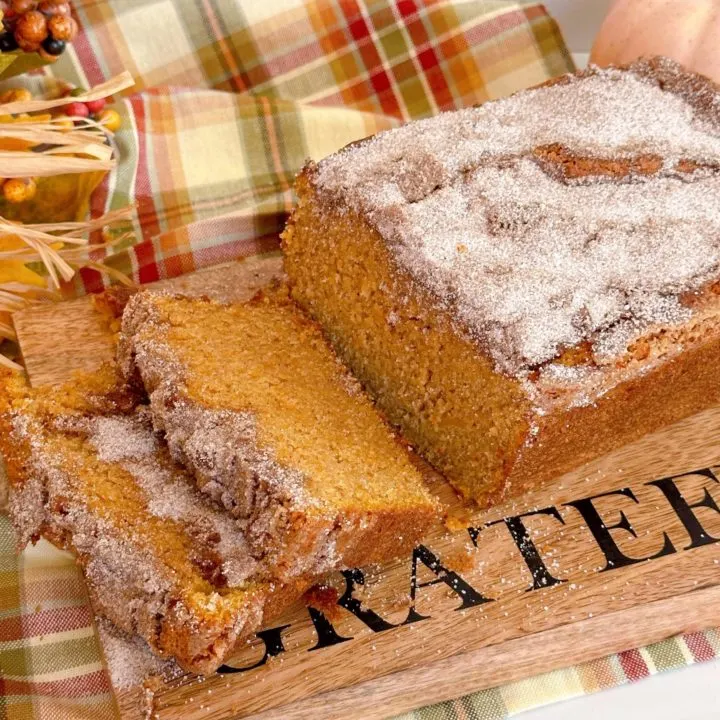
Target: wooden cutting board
<point>622,552</point>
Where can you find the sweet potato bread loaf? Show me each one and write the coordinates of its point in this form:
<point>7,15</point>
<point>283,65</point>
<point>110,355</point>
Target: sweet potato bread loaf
<point>530,283</point>
<point>256,405</point>
<point>160,560</point>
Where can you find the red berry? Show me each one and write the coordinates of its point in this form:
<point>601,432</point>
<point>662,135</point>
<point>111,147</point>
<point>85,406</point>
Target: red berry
<point>77,109</point>
<point>95,106</point>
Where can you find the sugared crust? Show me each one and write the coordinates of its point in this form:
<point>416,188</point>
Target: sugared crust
<point>581,211</point>
<point>665,391</point>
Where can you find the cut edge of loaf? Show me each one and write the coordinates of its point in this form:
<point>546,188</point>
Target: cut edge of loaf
<point>381,323</point>
<point>287,527</point>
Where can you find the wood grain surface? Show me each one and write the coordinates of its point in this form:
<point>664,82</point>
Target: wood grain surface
<point>621,552</point>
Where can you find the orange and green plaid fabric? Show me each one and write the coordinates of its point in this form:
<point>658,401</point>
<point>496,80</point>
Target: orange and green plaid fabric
<point>406,59</point>
<point>232,96</point>
<point>629,666</point>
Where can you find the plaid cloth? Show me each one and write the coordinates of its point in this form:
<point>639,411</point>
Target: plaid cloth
<point>50,660</point>
<point>232,96</point>
<point>625,667</point>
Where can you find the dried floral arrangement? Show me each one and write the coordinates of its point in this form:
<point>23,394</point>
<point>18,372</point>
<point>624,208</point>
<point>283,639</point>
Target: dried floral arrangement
<point>36,258</point>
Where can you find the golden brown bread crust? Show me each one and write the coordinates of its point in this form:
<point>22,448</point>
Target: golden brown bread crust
<point>401,247</point>
<point>677,387</point>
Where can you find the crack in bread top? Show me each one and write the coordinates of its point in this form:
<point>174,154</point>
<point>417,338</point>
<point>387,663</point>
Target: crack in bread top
<point>585,210</point>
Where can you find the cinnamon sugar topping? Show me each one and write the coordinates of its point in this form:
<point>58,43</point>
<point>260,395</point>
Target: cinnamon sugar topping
<point>169,492</point>
<point>529,254</point>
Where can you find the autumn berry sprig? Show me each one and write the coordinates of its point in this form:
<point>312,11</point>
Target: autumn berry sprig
<point>95,110</point>
<point>44,27</point>
<point>17,190</point>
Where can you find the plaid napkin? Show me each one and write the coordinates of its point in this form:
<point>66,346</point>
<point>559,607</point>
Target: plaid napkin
<point>50,660</point>
<point>231,98</point>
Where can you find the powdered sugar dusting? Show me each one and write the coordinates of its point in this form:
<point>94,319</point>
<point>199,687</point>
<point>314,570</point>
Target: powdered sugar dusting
<point>528,261</point>
<point>130,661</point>
<point>121,438</point>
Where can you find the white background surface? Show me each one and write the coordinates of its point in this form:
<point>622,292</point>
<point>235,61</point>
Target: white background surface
<point>579,21</point>
<point>692,693</point>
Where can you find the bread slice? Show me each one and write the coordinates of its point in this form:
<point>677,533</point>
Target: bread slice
<point>530,283</point>
<point>255,404</point>
<point>160,560</point>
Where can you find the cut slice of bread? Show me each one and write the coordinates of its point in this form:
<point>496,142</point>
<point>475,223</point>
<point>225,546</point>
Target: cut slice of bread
<point>160,560</point>
<point>255,404</point>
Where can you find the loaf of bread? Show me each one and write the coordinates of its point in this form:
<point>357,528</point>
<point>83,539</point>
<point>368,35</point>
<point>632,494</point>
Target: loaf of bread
<point>255,404</point>
<point>528,284</point>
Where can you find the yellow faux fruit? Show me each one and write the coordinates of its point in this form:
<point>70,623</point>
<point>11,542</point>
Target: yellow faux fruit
<point>17,190</point>
<point>686,30</point>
